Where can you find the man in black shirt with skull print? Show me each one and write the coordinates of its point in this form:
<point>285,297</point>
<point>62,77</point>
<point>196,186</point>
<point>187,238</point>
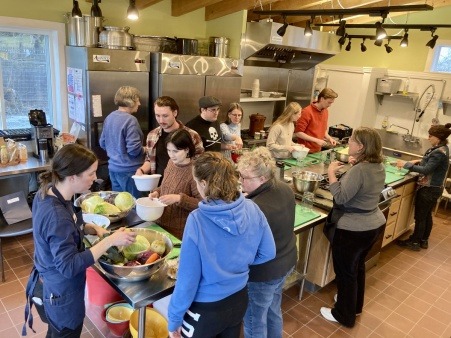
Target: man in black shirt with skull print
<point>206,124</point>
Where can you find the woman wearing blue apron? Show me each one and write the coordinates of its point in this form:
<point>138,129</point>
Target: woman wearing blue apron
<point>57,282</point>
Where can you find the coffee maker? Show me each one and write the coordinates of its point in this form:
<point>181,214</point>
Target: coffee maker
<point>41,135</point>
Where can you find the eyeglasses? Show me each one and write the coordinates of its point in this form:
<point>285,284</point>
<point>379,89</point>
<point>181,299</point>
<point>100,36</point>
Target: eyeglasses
<point>247,178</point>
<point>236,115</point>
<point>214,110</point>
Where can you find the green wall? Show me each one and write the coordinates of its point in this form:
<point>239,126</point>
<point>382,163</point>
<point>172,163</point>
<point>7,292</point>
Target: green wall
<point>411,58</point>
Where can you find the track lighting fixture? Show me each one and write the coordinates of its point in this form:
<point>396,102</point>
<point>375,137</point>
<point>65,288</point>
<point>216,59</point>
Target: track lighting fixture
<point>405,39</point>
<point>342,28</point>
<point>388,49</point>
<point>308,30</point>
<point>342,40</point>
<point>281,31</point>
<point>348,46</point>
<point>378,42</point>
<point>76,11</point>
<point>132,11</point>
<point>362,46</point>
<point>431,43</point>
<point>380,31</point>
<point>95,9</point>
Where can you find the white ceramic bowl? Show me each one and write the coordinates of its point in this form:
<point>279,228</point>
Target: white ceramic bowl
<point>300,153</point>
<point>149,209</point>
<point>146,182</point>
<point>99,220</point>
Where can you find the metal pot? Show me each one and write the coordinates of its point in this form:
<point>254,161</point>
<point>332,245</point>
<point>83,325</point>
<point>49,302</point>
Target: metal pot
<point>187,46</point>
<point>341,157</point>
<point>306,181</point>
<point>83,31</point>
<point>150,43</point>
<point>218,46</point>
<point>115,38</point>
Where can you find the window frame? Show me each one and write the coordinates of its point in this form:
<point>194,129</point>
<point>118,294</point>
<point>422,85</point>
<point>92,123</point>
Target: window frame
<point>57,42</point>
<point>433,54</point>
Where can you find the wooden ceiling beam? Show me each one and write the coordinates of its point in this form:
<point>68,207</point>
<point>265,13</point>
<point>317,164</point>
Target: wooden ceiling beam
<point>180,7</point>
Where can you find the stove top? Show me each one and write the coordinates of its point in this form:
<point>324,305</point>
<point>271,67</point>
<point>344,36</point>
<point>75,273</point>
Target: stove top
<point>324,184</point>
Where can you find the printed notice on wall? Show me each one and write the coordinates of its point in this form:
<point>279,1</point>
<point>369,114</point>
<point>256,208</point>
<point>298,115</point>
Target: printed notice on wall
<point>76,106</point>
<point>74,81</point>
<point>97,105</point>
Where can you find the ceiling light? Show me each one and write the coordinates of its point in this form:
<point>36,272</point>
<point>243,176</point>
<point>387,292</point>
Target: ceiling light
<point>362,46</point>
<point>431,43</point>
<point>405,40</point>
<point>76,11</point>
<point>388,49</point>
<point>342,29</point>
<point>348,46</point>
<point>380,31</point>
<point>281,31</point>
<point>342,40</point>
<point>378,42</point>
<point>132,11</point>
<point>308,30</point>
<point>95,9</point>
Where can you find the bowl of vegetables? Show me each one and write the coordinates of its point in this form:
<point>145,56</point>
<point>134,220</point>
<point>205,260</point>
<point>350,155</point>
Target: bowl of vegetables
<point>139,260</point>
<point>112,204</point>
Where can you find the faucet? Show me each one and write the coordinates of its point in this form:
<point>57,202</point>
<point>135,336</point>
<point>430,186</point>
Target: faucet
<point>395,125</point>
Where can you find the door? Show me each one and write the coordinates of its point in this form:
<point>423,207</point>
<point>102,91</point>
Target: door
<point>101,88</point>
<point>186,90</point>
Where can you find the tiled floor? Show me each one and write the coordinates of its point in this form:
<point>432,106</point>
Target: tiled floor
<point>408,294</point>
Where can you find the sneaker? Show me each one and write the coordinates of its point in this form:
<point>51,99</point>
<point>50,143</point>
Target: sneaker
<point>403,242</point>
<point>335,299</point>
<point>424,244</point>
<point>414,246</point>
<point>326,312</point>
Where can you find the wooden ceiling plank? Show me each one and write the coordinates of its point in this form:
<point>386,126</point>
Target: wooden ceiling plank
<point>227,7</point>
<point>180,7</point>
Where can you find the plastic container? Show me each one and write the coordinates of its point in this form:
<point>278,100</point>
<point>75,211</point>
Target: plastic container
<point>99,291</point>
<point>256,88</point>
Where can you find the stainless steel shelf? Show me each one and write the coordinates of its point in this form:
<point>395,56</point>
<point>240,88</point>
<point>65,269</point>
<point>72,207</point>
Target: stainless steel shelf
<point>409,96</point>
<point>262,99</point>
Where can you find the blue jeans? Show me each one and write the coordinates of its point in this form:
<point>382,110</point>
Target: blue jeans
<point>124,182</point>
<point>263,318</point>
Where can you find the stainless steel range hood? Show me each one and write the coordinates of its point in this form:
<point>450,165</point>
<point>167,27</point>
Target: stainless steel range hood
<point>262,46</point>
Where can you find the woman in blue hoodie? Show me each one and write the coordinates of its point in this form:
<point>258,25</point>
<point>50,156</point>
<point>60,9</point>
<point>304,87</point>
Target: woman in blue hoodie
<point>222,238</point>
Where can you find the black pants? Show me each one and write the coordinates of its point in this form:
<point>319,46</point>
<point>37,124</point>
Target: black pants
<point>425,200</point>
<point>349,249</point>
<point>221,319</point>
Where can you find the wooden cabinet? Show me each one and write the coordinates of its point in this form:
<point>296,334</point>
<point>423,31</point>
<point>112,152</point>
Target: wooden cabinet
<point>400,214</point>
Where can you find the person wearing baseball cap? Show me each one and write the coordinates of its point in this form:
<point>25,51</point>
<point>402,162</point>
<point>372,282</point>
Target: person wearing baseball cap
<point>433,168</point>
<point>206,124</point>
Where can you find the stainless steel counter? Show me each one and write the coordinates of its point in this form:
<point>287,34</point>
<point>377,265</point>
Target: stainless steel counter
<point>32,165</point>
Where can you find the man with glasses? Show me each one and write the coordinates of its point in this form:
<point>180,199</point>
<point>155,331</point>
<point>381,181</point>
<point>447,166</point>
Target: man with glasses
<point>311,127</point>
<point>166,113</point>
<point>206,124</point>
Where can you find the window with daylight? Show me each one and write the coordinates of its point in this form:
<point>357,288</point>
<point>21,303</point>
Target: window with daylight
<point>440,58</point>
<point>29,71</point>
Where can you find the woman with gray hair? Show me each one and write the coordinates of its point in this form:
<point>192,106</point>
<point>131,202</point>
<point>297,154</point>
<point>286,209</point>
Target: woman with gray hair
<point>122,139</point>
<point>263,316</point>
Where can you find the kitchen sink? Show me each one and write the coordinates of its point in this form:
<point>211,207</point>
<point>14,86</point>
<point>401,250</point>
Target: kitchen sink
<point>402,155</point>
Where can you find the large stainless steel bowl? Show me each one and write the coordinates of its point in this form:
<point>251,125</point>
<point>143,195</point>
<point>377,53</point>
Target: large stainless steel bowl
<point>306,181</point>
<point>107,196</point>
<point>342,157</point>
<point>140,272</point>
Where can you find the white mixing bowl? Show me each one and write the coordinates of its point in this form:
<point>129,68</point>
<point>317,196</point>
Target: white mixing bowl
<point>300,153</point>
<point>146,182</point>
<point>149,209</point>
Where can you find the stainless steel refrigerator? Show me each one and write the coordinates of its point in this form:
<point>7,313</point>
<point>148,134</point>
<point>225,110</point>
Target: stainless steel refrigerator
<point>93,77</point>
<point>186,78</point>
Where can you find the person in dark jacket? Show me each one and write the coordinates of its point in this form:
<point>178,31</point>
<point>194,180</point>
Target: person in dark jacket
<point>432,168</point>
<point>60,257</point>
<point>276,200</point>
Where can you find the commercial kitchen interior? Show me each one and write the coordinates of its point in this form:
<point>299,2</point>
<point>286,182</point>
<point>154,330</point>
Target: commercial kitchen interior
<point>408,294</point>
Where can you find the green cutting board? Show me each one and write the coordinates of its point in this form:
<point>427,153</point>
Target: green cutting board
<point>302,217</point>
<point>392,177</point>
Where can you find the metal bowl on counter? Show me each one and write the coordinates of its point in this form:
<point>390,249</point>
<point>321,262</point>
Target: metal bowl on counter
<point>138,272</point>
<point>342,155</point>
<point>107,196</point>
<point>306,181</point>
